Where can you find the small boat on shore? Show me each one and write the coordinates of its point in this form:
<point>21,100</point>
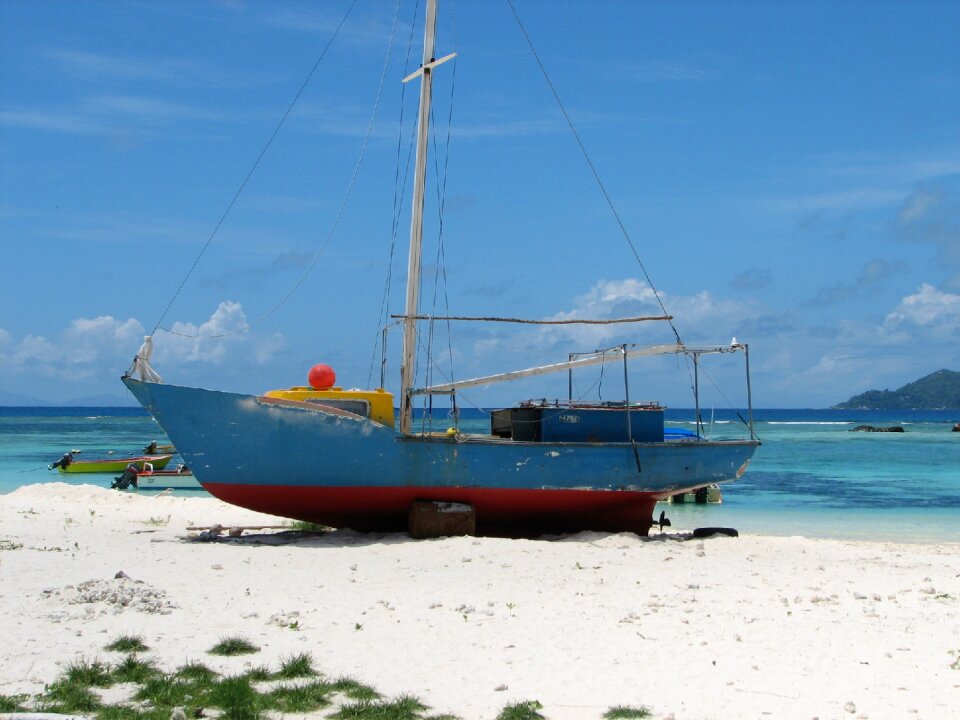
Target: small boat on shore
<point>67,464</point>
<point>180,479</point>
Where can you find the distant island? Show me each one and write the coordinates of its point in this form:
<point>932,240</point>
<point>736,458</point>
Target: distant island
<point>936,391</point>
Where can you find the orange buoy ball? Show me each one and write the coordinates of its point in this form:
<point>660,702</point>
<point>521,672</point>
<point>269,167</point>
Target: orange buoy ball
<point>321,377</point>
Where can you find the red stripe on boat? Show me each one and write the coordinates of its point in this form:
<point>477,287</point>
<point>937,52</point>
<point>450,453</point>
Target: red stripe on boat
<point>498,511</point>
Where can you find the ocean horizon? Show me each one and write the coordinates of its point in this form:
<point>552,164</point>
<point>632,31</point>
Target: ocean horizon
<point>812,476</point>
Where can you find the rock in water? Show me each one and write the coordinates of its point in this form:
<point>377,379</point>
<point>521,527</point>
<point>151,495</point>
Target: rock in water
<point>871,428</point>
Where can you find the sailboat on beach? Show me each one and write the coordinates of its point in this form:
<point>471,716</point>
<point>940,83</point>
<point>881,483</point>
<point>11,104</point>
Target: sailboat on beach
<point>346,458</point>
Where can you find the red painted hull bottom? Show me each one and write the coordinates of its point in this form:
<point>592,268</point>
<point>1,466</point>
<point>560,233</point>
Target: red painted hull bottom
<point>502,512</point>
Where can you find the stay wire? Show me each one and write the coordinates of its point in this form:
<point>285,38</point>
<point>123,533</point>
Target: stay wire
<point>253,169</point>
<point>337,218</point>
<point>399,191</point>
<point>440,272</point>
<point>726,399</point>
<point>596,175</point>
<point>441,267</point>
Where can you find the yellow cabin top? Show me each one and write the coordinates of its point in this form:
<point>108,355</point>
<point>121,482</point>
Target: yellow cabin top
<point>374,404</point>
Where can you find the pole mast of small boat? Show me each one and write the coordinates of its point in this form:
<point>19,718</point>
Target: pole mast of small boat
<point>408,363</point>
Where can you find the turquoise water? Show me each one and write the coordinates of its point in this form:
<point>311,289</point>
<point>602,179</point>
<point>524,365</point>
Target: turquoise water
<point>32,438</point>
<point>811,476</point>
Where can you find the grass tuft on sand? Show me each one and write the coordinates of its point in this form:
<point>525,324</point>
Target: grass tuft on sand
<point>405,707</point>
<point>306,526</point>
<point>125,712</point>
<point>301,698</point>
<point>624,712</point>
<point>260,673</point>
<point>134,670</point>
<point>199,690</point>
<point>296,666</point>
<point>171,691</point>
<point>92,673</point>
<point>127,644</point>
<point>68,698</point>
<point>12,703</point>
<point>236,645</point>
<point>196,673</point>
<point>527,710</point>
<point>355,690</point>
<point>295,688</point>
<point>237,698</point>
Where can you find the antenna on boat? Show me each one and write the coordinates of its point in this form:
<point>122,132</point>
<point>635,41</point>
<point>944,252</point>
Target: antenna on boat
<point>408,362</point>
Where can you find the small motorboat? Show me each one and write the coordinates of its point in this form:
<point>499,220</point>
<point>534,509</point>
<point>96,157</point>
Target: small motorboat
<point>180,479</point>
<point>67,464</point>
<point>159,449</point>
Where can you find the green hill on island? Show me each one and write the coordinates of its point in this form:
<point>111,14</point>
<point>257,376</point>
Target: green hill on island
<point>936,391</point>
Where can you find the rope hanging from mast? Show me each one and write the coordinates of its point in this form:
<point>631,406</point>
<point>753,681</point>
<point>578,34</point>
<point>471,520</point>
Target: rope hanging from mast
<point>243,185</point>
<point>399,191</point>
<point>593,169</point>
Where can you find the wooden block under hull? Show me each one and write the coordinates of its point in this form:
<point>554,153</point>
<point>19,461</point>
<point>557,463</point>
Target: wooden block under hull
<point>429,519</point>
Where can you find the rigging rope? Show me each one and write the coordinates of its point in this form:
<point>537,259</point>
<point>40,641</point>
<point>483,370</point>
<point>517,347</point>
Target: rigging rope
<point>399,191</point>
<point>703,371</point>
<point>593,169</point>
<point>253,169</point>
<point>343,204</point>
<point>441,266</point>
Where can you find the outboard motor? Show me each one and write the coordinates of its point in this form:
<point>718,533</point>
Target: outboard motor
<point>129,477</point>
<point>63,462</point>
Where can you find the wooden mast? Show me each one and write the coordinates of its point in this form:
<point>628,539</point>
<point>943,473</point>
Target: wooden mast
<point>408,365</point>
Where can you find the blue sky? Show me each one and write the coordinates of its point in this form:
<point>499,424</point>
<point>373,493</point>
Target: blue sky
<point>788,172</point>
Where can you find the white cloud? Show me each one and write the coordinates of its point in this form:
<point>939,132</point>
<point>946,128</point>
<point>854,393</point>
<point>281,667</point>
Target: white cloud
<point>88,340</point>
<point>225,336</point>
<point>862,355</point>
<point>928,307</point>
<point>212,341</point>
<point>701,319</point>
<point>107,344</point>
<point>918,206</point>
<point>696,316</point>
<point>830,365</point>
<point>35,349</point>
<point>85,342</point>
<point>601,300</point>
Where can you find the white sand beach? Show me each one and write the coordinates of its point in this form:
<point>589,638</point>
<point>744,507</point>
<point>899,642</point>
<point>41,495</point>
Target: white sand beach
<point>746,627</point>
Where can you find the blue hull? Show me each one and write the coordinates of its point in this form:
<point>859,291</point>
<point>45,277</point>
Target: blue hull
<point>348,471</point>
